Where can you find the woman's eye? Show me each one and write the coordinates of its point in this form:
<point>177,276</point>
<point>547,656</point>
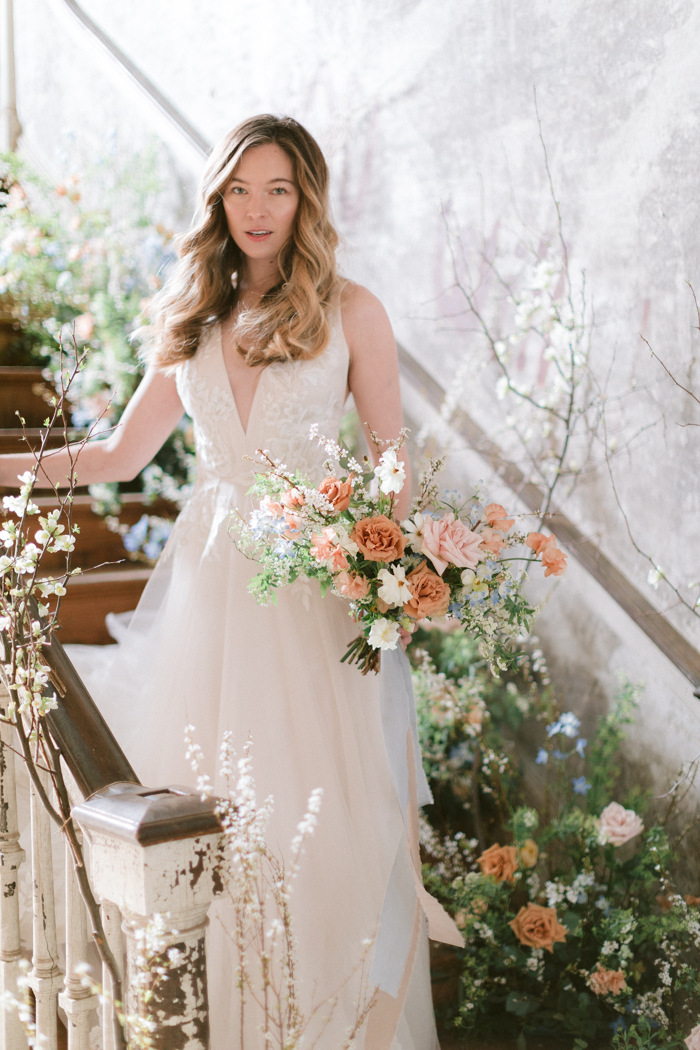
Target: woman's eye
<point>279,189</point>
<point>237,190</point>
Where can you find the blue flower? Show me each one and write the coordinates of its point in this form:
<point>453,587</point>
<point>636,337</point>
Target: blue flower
<point>134,538</point>
<point>455,609</point>
<point>542,757</point>
<point>581,785</point>
<point>561,755</point>
<point>581,746</point>
<point>568,725</point>
<point>618,1025</point>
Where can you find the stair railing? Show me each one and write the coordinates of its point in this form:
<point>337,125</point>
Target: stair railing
<point>150,852</point>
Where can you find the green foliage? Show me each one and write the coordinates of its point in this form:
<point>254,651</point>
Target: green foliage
<point>628,945</point>
<point>81,260</point>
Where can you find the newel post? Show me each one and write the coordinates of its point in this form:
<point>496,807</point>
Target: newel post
<point>157,852</point>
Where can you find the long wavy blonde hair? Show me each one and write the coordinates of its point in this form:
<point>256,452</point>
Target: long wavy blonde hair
<point>290,321</point>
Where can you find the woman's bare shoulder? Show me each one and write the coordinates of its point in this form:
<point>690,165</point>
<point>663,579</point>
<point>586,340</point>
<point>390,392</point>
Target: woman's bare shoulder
<point>365,321</point>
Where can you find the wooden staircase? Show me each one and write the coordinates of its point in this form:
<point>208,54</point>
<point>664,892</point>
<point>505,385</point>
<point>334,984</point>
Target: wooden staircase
<point>111,583</point>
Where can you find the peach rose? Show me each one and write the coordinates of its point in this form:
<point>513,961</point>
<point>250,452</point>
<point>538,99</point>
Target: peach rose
<point>336,492</point>
<point>323,544</point>
<point>491,541</point>
<point>693,1040</point>
<point>618,825</point>
<point>495,514</point>
<point>292,499</point>
<point>379,538</point>
<point>691,901</point>
<point>607,982</point>
<point>529,852</point>
<point>431,595</point>
<point>294,524</point>
<point>272,507</point>
<point>554,561</point>
<point>538,927</point>
<point>447,541</point>
<point>537,541</point>
<point>337,559</point>
<point>351,585</point>
<point>499,861</point>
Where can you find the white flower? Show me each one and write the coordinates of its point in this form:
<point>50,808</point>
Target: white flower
<point>655,576</point>
<point>468,577</point>
<point>390,472</point>
<point>394,589</point>
<point>414,530</point>
<point>343,539</point>
<point>384,634</point>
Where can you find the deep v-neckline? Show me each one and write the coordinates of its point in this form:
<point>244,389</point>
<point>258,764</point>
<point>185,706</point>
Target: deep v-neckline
<point>222,359</point>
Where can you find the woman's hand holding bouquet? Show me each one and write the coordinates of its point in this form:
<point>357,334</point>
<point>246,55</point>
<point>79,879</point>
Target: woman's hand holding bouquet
<point>449,557</point>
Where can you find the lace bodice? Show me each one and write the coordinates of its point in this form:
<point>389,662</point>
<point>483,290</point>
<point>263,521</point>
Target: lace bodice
<point>290,396</point>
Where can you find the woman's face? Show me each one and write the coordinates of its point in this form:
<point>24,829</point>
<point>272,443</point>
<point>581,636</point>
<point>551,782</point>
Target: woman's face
<point>261,201</point>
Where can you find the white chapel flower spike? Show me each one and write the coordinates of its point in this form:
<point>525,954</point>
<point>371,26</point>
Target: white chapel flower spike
<point>390,472</point>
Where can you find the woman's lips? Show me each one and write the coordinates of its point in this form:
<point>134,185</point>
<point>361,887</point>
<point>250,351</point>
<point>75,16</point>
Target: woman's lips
<point>258,235</point>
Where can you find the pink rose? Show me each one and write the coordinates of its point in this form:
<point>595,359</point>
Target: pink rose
<point>618,825</point>
<point>351,585</point>
<point>448,542</point>
<point>693,1040</point>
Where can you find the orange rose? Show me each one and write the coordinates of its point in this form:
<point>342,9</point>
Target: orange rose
<point>538,927</point>
<point>499,861</point>
<point>351,585</point>
<point>431,595</point>
<point>554,561</point>
<point>607,982</point>
<point>336,492</point>
<point>495,514</point>
<point>691,901</point>
<point>379,538</point>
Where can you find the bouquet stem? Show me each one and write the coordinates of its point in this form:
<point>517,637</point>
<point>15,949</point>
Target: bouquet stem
<point>361,652</point>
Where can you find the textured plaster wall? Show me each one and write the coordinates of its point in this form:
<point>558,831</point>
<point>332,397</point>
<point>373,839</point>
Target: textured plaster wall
<point>425,107</point>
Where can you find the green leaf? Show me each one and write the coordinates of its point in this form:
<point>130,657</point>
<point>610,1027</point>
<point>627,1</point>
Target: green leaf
<point>521,1043</point>
<point>521,1004</point>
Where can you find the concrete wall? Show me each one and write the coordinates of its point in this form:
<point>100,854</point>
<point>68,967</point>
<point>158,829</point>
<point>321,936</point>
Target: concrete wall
<point>426,107</point>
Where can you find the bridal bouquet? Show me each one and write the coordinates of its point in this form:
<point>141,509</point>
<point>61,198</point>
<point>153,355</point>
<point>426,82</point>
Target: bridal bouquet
<point>451,556</point>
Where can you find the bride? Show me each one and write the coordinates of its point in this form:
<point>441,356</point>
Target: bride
<point>256,337</point>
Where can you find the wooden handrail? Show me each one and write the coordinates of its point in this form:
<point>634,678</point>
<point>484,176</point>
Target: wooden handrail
<point>193,136</point>
<point>87,744</point>
<point>654,624</point>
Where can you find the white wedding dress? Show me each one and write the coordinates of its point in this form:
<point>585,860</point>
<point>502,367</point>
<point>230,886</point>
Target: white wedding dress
<point>200,651</point>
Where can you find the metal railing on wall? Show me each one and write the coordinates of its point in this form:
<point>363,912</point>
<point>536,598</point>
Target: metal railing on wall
<point>654,624</point>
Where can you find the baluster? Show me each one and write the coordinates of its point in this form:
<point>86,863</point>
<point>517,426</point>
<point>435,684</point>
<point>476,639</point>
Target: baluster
<point>46,977</point>
<point>77,1001</point>
<point>11,857</point>
<point>112,922</point>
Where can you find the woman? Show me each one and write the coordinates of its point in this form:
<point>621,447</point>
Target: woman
<point>256,337</point>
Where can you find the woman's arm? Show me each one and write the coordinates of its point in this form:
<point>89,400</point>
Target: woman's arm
<point>153,412</point>
<point>374,374</point>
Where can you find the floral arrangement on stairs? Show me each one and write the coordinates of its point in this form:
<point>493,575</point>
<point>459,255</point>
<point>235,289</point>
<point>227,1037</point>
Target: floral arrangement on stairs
<point>80,259</point>
<point>563,882</point>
